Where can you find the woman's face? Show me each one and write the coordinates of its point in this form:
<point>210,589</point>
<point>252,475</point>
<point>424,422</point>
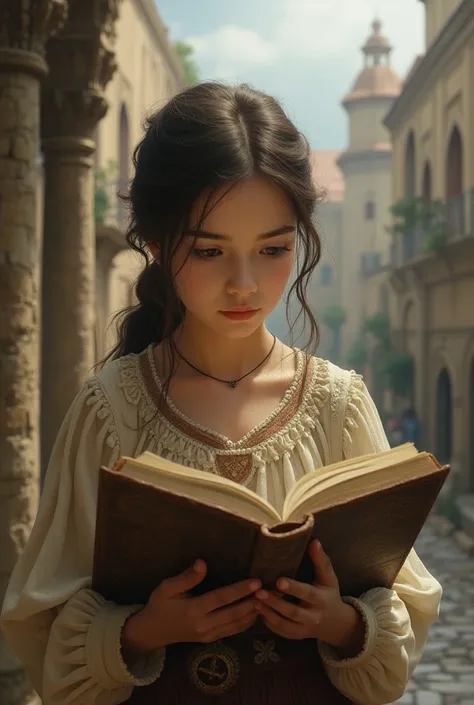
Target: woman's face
<point>231,273</point>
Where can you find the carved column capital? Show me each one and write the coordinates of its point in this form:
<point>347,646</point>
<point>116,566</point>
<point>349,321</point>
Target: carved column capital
<point>24,29</point>
<point>82,62</point>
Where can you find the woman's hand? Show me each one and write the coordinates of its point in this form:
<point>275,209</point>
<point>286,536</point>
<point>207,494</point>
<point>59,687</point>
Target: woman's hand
<point>321,613</point>
<point>172,615</point>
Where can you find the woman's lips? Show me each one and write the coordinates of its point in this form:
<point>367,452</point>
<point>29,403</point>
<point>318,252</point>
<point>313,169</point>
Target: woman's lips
<point>240,315</point>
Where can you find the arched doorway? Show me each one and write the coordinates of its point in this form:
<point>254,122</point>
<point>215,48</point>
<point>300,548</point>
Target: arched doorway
<point>409,333</point>
<point>427,183</point>
<point>410,192</point>
<point>454,184</point>
<point>471,427</point>
<point>444,417</point>
<point>124,157</point>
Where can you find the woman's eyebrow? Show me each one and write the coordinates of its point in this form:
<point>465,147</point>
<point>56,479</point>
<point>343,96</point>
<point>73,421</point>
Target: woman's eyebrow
<point>206,234</point>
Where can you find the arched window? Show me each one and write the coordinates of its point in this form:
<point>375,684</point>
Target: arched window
<point>124,156</point>
<point>454,184</point>
<point>410,167</point>
<point>410,192</point>
<point>124,159</point>
<point>444,417</point>
<point>369,210</point>
<point>427,185</point>
<point>326,275</point>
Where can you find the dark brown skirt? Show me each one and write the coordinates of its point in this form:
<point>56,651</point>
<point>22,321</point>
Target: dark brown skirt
<point>243,670</point>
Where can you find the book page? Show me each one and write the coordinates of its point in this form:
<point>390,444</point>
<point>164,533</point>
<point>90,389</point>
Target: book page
<point>348,484</point>
<point>308,484</point>
<point>201,486</point>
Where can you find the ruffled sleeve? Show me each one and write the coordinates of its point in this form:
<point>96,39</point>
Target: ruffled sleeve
<point>397,621</point>
<point>67,636</point>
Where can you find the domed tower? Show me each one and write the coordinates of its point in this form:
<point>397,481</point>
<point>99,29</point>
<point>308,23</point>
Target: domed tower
<point>366,165</point>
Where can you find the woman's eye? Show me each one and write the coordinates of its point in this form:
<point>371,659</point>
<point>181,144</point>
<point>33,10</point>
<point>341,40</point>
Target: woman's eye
<point>276,251</point>
<point>207,253</point>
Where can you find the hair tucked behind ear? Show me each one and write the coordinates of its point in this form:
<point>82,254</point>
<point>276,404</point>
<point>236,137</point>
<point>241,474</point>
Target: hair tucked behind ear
<point>207,137</point>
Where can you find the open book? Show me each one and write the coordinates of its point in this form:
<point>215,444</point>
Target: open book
<point>155,518</point>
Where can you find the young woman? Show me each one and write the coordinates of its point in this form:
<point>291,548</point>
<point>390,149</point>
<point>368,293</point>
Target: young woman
<point>221,209</point>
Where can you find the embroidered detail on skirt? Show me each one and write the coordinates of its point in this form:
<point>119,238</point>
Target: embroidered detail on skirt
<point>249,669</point>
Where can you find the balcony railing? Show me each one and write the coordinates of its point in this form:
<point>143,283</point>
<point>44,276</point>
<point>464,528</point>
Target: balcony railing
<point>418,242</point>
<point>455,221</point>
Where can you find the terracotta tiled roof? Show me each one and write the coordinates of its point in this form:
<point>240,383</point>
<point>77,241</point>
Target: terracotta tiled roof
<point>327,175</point>
<point>375,81</point>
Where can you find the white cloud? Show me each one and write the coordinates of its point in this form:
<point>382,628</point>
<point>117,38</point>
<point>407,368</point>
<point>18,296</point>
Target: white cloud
<point>320,29</point>
<point>326,29</point>
<point>314,30</point>
<point>231,49</point>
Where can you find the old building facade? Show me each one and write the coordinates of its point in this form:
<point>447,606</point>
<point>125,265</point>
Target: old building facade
<point>366,165</point>
<point>355,212</point>
<point>64,66</point>
<point>432,277</point>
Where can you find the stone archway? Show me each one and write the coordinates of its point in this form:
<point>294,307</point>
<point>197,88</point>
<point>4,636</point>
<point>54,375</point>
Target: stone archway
<point>454,184</point>
<point>444,417</point>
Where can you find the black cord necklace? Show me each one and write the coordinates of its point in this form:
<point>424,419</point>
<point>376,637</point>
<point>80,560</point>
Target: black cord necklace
<point>231,382</point>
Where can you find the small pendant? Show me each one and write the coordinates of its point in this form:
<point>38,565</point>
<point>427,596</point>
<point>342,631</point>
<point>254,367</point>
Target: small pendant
<point>233,383</point>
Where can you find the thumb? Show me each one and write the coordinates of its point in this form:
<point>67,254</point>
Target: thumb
<point>184,582</point>
<point>323,571</point>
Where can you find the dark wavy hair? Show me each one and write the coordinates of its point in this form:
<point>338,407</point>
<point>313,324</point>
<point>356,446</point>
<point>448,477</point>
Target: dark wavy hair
<point>206,137</point>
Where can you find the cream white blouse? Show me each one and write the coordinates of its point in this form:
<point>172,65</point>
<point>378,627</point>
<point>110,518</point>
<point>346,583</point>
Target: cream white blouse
<point>68,637</point>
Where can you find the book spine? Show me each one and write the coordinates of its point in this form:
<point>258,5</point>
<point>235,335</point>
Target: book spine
<point>280,550</point>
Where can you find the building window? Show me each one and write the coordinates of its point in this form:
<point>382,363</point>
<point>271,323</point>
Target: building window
<point>369,210</point>
<point>326,275</point>
<point>370,262</point>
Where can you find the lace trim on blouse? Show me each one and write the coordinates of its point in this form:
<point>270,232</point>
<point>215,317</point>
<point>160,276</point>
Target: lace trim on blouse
<point>97,400</point>
<point>189,443</point>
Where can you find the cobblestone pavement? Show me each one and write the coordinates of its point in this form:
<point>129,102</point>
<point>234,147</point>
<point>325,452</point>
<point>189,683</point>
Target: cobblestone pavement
<point>445,675</point>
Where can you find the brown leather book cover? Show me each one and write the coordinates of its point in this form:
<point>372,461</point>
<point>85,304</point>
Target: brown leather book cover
<point>145,534</point>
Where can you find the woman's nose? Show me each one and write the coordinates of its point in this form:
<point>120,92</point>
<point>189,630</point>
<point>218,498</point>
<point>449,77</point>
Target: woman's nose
<point>242,280</point>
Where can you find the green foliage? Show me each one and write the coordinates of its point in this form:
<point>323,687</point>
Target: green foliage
<point>399,370</point>
<point>102,197</point>
<point>405,213</point>
<point>186,56</point>
<point>357,355</point>
<point>378,325</point>
<point>410,214</point>
<point>334,317</point>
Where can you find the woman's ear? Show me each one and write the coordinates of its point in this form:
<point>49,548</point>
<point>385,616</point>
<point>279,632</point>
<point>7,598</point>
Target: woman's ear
<point>154,251</point>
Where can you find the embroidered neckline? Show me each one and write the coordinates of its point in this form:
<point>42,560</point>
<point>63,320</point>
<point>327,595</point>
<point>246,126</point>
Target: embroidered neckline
<point>294,419</point>
<point>214,438</point>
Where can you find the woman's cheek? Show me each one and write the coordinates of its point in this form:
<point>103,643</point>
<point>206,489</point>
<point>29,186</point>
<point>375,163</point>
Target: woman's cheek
<point>194,281</point>
<point>278,274</point>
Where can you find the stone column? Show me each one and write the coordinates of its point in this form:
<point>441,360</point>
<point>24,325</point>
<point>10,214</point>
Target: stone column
<point>107,249</point>
<point>82,63</point>
<point>24,27</point>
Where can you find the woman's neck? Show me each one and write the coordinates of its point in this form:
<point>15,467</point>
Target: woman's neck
<point>221,357</point>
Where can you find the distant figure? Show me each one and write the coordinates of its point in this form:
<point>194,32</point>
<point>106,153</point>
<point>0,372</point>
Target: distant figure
<point>394,431</point>
<point>410,427</point>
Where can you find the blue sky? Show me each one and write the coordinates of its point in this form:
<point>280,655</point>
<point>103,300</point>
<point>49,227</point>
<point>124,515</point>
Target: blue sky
<point>305,52</point>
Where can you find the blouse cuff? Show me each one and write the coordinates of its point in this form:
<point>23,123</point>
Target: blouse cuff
<point>330,656</point>
<point>104,653</point>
